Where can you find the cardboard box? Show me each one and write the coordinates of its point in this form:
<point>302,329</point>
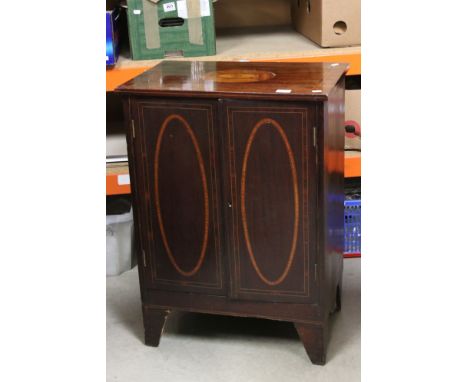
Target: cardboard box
<point>329,23</point>
<point>353,118</point>
<point>252,13</point>
<point>112,36</point>
<point>171,28</point>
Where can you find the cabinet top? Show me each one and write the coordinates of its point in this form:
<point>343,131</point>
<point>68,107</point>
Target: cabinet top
<point>275,80</point>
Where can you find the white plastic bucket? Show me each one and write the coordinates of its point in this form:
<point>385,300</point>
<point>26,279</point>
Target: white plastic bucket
<point>119,240</point>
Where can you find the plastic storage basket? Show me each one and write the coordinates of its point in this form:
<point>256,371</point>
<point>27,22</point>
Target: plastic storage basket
<point>352,219</point>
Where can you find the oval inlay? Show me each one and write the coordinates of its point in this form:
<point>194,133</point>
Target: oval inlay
<point>239,75</point>
<point>292,164</point>
<point>201,166</point>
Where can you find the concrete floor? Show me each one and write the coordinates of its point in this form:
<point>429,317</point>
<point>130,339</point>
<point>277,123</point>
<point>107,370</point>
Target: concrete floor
<point>198,347</point>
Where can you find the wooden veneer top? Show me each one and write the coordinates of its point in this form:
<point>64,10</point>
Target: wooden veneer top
<point>208,79</point>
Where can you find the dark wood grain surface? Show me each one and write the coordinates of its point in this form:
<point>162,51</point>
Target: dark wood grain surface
<point>179,144</point>
<point>268,148</point>
<point>238,192</point>
<point>331,199</point>
<point>291,81</point>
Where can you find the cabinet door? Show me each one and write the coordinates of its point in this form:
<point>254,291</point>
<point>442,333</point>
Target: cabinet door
<point>271,162</point>
<point>178,151</point>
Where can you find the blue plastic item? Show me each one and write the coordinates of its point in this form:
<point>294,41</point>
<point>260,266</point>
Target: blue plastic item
<point>112,37</point>
<point>352,220</point>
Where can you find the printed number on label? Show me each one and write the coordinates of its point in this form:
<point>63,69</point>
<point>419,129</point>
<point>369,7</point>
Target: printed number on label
<point>169,7</point>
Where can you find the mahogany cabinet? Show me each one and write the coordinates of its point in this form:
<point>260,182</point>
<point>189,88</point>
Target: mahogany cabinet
<point>237,183</point>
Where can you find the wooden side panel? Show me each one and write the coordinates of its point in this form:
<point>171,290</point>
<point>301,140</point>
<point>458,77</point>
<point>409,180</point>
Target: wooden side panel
<point>178,145</point>
<point>135,166</point>
<point>331,198</point>
<point>270,159</point>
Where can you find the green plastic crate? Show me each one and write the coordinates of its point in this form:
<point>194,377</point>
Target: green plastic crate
<point>149,39</point>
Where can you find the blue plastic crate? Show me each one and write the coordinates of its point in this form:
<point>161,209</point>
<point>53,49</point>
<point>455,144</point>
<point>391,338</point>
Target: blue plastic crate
<point>352,218</point>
